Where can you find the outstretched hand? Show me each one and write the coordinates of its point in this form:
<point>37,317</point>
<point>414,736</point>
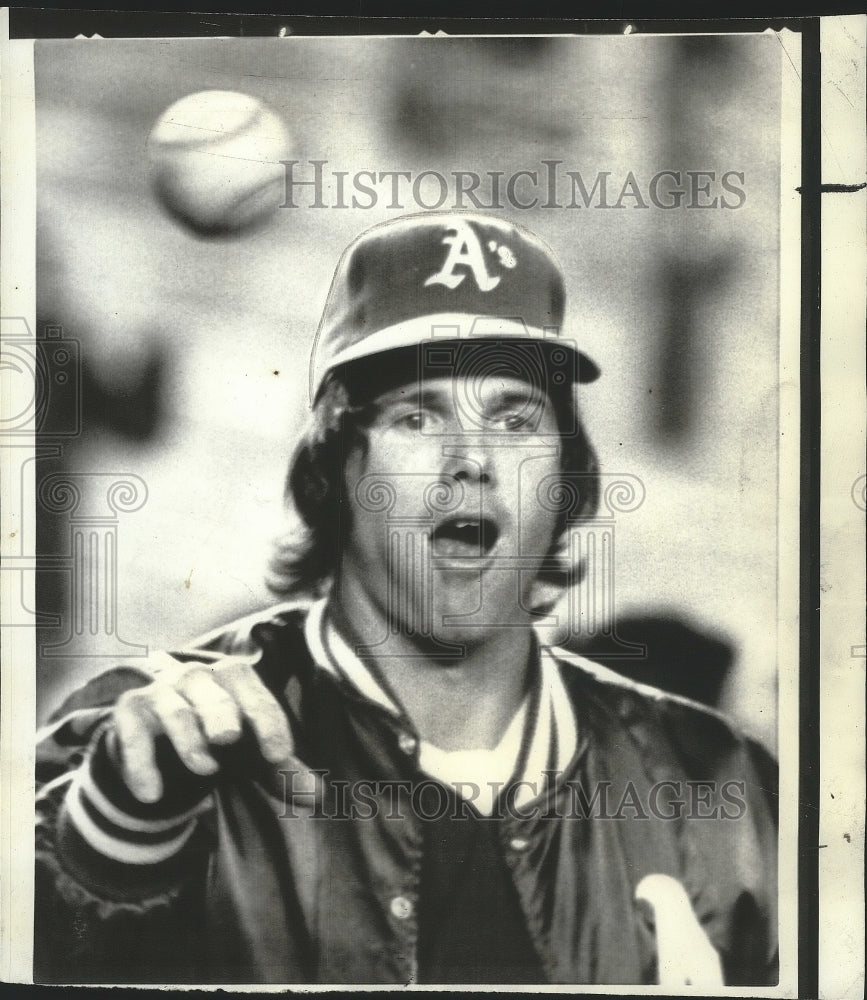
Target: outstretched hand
<point>204,703</point>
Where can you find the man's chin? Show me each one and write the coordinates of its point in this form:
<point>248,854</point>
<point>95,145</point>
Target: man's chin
<point>463,607</point>
<point>451,644</point>
<point>473,626</point>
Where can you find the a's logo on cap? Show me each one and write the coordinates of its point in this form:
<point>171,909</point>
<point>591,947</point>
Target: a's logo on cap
<point>465,250</point>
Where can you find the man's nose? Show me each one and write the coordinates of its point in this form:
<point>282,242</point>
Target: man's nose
<point>469,462</point>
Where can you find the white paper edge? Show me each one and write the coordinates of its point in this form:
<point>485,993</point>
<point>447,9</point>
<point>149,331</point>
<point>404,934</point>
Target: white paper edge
<point>843,654</point>
<point>18,675</point>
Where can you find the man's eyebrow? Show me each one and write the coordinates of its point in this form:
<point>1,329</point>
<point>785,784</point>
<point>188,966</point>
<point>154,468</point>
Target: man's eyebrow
<point>442,394</point>
<point>414,396</point>
<point>520,397</point>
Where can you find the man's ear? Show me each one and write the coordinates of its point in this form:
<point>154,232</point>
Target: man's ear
<point>552,583</point>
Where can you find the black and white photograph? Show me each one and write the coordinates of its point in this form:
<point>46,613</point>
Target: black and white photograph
<point>416,451</point>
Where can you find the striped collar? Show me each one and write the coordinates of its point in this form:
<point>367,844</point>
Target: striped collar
<point>541,736</point>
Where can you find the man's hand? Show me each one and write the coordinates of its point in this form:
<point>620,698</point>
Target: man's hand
<point>197,705</point>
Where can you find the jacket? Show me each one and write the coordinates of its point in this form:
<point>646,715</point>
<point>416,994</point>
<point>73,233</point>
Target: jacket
<point>281,883</point>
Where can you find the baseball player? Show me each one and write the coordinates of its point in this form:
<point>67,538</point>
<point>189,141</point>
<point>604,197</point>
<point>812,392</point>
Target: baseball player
<point>389,778</point>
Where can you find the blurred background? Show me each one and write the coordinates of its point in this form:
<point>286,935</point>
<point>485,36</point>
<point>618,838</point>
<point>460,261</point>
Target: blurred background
<point>193,349</point>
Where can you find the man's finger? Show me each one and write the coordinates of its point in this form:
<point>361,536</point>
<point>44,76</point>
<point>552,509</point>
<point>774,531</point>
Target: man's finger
<point>180,723</point>
<point>259,708</point>
<point>218,713</point>
<point>135,732</point>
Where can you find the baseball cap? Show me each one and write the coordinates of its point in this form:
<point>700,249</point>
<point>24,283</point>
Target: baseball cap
<point>441,277</point>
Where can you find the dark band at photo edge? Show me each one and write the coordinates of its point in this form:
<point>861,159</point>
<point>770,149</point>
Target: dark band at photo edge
<point>346,19</point>
<point>811,399</point>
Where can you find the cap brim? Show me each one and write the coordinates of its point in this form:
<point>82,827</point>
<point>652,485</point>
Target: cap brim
<point>445,327</point>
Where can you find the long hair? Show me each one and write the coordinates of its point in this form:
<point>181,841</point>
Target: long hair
<point>306,560</point>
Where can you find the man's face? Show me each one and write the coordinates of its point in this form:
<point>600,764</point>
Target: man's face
<point>447,530</point>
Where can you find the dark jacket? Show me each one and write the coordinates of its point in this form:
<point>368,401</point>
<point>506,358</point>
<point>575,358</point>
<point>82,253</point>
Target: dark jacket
<point>283,883</point>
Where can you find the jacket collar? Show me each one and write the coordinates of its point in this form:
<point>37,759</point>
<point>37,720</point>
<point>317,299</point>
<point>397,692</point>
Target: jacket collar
<point>541,737</point>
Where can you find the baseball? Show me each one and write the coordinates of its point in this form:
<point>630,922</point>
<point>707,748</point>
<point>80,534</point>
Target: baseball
<point>215,161</point>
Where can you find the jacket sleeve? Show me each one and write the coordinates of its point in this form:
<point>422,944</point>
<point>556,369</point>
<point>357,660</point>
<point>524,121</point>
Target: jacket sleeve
<point>730,839</point>
<point>115,879</point>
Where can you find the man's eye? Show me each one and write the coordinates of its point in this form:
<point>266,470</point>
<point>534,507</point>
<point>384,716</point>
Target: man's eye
<point>413,421</point>
<point>517,421</point>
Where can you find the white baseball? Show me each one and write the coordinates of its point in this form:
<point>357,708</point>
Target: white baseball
<point>215,160</point>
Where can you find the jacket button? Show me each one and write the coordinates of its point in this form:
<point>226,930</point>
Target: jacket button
<point>519,844</point>
<point>401,908</point>
<point>407,743</point>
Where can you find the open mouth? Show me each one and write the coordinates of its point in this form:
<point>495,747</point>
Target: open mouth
<point>465,538</point>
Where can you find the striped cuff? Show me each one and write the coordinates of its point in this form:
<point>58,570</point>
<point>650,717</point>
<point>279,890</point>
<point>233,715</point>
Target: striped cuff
<point>115,825</point>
